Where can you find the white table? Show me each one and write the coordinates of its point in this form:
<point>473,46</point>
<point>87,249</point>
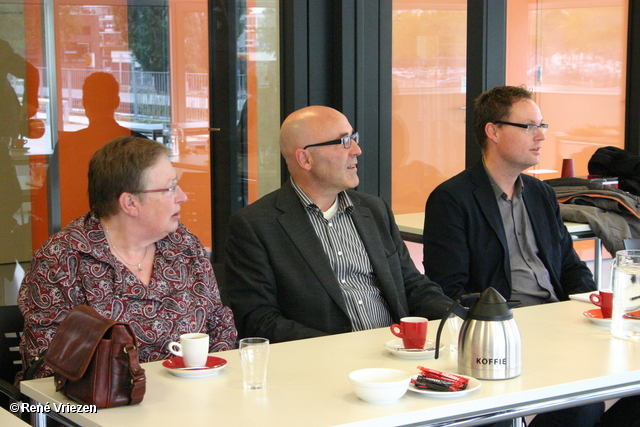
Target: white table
<point>7,419</point>
<point>411,226</point>
<point>567,360</point>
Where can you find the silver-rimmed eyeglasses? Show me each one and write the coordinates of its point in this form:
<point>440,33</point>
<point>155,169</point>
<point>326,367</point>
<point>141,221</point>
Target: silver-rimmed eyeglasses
<point>345,141</point>
<point>171,189</point>
<point>529,129</point>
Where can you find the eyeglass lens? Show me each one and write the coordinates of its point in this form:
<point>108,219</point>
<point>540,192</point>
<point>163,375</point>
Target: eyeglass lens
<point>346,141</point>
<point>531,129</point>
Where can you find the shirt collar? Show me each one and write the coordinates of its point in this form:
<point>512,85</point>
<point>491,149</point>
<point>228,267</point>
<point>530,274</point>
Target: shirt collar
<point>344,202</point>
<point>519,185</point>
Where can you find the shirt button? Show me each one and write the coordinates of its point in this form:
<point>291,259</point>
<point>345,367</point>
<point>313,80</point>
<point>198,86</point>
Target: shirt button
<point>343,281</point>
<point>360,302</point>
<point>330,224</point>
<point>339,253</point>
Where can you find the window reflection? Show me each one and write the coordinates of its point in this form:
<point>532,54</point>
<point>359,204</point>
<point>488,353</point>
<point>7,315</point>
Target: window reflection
<point>18,111</point>
<point>107,68</point>
<point>429,85</point>
<point>573,55</point>
<point>259,98</point>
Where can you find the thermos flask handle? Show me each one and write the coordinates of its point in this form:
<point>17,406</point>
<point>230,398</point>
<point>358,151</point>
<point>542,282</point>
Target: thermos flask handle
<point>442,322</point>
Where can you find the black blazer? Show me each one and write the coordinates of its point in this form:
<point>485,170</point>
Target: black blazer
<point>465,247</point>
<point>281,285</point>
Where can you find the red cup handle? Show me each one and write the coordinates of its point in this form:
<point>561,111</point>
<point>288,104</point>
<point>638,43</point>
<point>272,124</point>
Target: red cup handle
<point>397,330</point>
<point>596,300</point>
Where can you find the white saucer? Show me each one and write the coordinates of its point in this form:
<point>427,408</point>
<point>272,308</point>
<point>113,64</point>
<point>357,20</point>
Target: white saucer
<point>473,385</point>
<point>396,348</point>
<point>175,365</point>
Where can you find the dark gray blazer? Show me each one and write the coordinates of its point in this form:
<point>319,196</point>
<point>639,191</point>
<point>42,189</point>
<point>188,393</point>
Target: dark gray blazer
<point>465,247</point>
<point>281,285</point>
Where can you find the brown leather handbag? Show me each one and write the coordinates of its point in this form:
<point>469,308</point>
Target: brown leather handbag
<point>95,360</point>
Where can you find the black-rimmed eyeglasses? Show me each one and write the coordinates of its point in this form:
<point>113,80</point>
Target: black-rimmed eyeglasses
<point>530,129</point>
<point>345,141</point>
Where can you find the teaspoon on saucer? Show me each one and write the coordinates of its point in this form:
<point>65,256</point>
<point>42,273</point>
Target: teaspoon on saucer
<point>416,350</point>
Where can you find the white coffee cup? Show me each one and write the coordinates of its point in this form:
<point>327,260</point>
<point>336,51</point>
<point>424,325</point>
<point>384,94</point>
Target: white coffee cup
<point>193,348</point>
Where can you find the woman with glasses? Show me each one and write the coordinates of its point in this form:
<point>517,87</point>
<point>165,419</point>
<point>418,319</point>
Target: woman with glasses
<point>129,258</point>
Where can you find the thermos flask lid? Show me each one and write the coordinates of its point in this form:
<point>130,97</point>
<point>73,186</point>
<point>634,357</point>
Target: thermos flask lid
<point>490,306</point>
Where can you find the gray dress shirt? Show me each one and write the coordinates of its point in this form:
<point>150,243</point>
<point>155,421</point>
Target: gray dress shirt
<point>530,281</point>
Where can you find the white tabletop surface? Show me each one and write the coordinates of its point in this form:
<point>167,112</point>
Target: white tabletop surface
<point>564,354</point>
<point>411,222</point>
<point>7,419</point>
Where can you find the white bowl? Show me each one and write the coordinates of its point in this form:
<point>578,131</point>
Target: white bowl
<point>379,385</point>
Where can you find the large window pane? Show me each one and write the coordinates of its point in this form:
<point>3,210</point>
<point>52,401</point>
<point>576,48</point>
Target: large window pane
<point>118,72</point>
<point>82,73</point>
<point>102,69</point>
<point>573,55</point>
<point>259,98</point>
<point>429,69</point>
<point>24,141</point>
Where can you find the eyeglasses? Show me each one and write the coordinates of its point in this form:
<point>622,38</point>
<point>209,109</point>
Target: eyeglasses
<point>171,189</point>
<point>345,141</point>
<point>530,129</point>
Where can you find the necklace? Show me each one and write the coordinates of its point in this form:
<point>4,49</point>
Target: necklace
<point>121,257</point>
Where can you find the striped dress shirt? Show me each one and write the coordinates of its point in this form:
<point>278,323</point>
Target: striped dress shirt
<point>366,307</point>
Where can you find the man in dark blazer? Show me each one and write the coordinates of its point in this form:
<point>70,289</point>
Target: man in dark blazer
<point>465,240</point>
<point>491,225</point>
<point>465,245</point>
<point>316,258</point>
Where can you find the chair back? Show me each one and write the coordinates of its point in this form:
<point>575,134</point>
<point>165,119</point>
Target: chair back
<point>631,244</point>
<point>11,326</point>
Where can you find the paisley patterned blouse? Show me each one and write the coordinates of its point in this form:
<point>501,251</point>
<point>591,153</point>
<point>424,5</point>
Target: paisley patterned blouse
<point>75,266</point>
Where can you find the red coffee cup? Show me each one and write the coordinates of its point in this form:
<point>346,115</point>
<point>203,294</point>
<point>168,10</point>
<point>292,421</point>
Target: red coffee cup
<point>604,300</point>
<point>412,330</point>
<point>568,169</point>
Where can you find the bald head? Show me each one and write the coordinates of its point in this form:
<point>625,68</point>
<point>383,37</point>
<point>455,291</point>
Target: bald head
<point>322,171</point>
<point>309,125</point>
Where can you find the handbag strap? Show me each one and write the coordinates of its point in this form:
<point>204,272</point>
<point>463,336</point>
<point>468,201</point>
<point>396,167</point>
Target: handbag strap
<point>138,378</point>
<point>31,370</point>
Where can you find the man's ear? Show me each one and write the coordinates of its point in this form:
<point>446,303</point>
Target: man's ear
<point>491,130</point>
<point>303,158</point>
<point>129,203</point>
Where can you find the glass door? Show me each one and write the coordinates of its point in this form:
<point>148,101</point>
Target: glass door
<point>83,73</point>
<point>428,102</point>
<point>429,44</point>
<point>573,56</point>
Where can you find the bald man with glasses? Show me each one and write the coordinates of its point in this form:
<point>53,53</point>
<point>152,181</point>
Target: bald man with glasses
<point>315,257</point>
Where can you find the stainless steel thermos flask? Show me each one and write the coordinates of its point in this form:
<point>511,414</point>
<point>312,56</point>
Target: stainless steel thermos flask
<point>489,344</point>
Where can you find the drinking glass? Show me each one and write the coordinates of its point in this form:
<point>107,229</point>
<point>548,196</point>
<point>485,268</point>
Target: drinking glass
<point>254,354</point>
